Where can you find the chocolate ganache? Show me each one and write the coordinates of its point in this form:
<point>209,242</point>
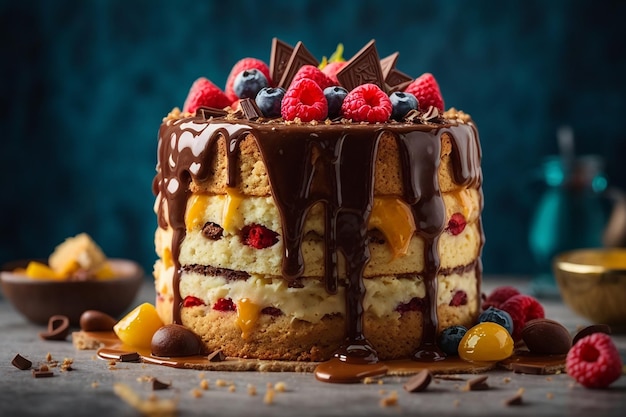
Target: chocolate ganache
<point>333,164</point>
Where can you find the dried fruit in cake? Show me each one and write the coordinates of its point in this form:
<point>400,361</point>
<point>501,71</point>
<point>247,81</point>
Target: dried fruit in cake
<point>367,103</point>
<point>456,224</point>
<point>248,83</point>
<point>459,298</point>
<point>522,308</point>
<point>304,100</point>
<point>203,93</point>
<point>426,89</point>
<point>258,236</point>
<point>594,361</point>
<point>450,338</point>
<point>498,316</point>
<point>242,65</point>
<point>137,327</point>
<point>499,295</point>
<point>334,97</point>
<point>486,342</point>
<point>269,100</point>
<point>401,104</point>
<point>313,73</point>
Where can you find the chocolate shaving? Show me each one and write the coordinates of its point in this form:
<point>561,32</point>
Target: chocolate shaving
<point>477,384</point>
<point>594,328</point>
<point>216,356</point>
<point>279,58</point>
<point>21,362</point>
<point>58,328</point>
<point>208,112</point>
<point>431,113</point>
<point>299,57</point>
<point>42,373</point>
<point>363,68</point>
<point>130,357</point>
<point>516,399</point>
<point>159,385</point>
<point>250,110</point>
<point>419,382</point>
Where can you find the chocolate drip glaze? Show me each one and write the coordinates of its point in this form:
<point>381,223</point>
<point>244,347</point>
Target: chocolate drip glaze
<point>333,165</point>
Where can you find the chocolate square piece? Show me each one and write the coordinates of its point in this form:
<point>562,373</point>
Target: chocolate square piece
<point>208,112</point>
<point>299,57</point>
<point>397,81</point>
<point>279,58</point>
<point>250,110</point>
<point>364,67</point>
<point>388,63</point>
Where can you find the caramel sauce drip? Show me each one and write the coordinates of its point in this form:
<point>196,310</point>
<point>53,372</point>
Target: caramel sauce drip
<point>333,165</point>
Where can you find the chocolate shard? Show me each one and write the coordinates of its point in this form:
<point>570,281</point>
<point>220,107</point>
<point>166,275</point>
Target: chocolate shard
<point>299,57</point>
<point>279,58</point>
<point>594,328</point>
<point>42,374</point>
<point>250,110</point>
<point>388,63</point>
<point>529,369</point>
<point>130,357</point>
<point>21,362</point>
<point>159,385</point>
<point>208,112</point>
<point>216,356</point>
<point>418,382</point>
<point>363,68</point>
<point>478,384</point>
<point>397,81</point>
<point>516,399</point>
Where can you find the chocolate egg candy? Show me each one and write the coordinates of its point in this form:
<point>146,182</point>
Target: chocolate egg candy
<point>96,321</point>
<point>546,337</point>
<point>176,340</point>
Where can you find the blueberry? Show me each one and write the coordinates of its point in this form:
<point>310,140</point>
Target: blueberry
<point>497,316</point>
<point>450,338</point>
<point>249,82</point>
<point>401,104</point>
<point>269,100</point>
<point>334,96</point>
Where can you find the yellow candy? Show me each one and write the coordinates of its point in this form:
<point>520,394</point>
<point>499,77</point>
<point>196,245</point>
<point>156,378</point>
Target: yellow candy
<point>247,316</point>
<point>105,272</point>
<point>137,327</point>
<point>486,342</point>
<point>38,270</point>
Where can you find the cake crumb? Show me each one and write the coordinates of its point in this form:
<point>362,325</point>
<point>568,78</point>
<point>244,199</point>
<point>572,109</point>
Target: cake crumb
<point>549,378</point>
<point>280,386</point>
<point>48,357</point>
<point>221,383</point>
<point>196,393</point>
<point>456,402</point>
<point>201,375</point>
<point>549,395</point>
<point>232,388</point>
<point>95,384</point>
<point>269,396</point>
<point>152,406</point>
<point>204,384</point>
<point>506,379</point>
<point>251,390</point>
<point>390,400</point>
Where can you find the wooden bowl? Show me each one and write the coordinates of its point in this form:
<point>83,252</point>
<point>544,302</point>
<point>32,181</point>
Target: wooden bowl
<point>39,299</point>
<point>592,283</point>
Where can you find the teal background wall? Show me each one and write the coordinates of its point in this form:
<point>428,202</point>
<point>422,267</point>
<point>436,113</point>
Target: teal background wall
<point>84,85</point>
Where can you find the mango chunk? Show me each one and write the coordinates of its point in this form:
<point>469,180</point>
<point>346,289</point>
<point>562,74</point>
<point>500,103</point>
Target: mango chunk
<point>38,270</point>
<point>137,327</point>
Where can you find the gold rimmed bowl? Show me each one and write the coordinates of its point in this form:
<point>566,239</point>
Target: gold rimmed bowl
<point>592,282</point>
<point>39,299</point>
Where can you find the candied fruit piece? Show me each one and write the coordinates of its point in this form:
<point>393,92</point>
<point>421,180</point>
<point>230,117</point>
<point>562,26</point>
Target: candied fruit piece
<point>486,342</point>
<point>247,316</point>
<point>224,304</point>
<point>137,327</point>
<point>191,301</point>
<point>38,270</point>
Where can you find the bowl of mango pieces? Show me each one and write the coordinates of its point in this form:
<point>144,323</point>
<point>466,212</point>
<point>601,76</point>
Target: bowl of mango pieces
<point>75,278</point>
<point>592,282</point>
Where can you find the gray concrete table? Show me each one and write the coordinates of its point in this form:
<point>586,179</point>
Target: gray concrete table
<point>89,388</point>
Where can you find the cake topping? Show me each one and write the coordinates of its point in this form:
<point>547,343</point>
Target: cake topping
<point>305,101</point>
<point>362,68</point>
<point>367,103</point>
<point>248,83</point>
<point>279,58</point>
<point>204,93</point>
<point>300,56</point>
<point>176,340</point>
<point>244,64</point>
<point>426,90</point>
<point>250,109</point>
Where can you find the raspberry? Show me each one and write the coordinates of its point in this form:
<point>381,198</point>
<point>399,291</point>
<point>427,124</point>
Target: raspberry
<point>191,301</point>
<point>204,93</point>
<point>499,295</point>
<point>426,90</point>
<point>304,99</point>
<point>331,70</point>
<point>242,65</point>
<point>522,308</point>
<point>456,224</point>
<point>594,361</point>
<point>458,299</point>
<point>367,103</point>
<point>313,73</point>
<point>259,237</point>
<point>224,304</point>
<point>414,304</point>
